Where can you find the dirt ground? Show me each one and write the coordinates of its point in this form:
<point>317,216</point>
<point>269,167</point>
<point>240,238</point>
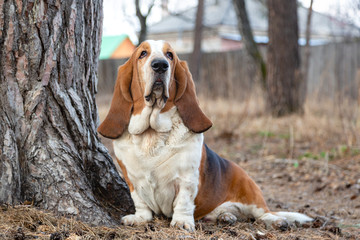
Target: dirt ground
<point>308,164</point>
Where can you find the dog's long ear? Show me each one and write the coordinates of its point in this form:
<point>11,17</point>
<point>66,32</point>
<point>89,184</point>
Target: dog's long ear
<point>121,105</point>
<point>187,102</point>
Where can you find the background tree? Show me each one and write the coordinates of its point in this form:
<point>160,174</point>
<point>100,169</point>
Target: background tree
<point>283,60</point>
<point>306,61</point>
<point>143,19</point>
<point>196,54</point>
<point>50,153</point>
<point>248,39</point>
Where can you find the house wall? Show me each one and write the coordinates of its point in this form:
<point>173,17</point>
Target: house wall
<point>182,42</point>
<point>228,45</point>
<point>124,50</point>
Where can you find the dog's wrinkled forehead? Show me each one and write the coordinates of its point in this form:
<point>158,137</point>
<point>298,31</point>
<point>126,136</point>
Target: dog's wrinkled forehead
<point>156,48</point>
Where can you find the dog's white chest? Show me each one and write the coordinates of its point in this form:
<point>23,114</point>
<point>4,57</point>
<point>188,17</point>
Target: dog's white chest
<point>158,164</point>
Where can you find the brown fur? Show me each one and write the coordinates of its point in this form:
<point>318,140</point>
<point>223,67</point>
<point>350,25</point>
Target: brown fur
<point>243,189</point>
<point>210,193</point>
<point>127,98</point>
<point>224,181</point>
<point>139,65</point>
<point>121,105</point>
<point>170,102</point>
<point>124,172</point>
<point>186,100</point>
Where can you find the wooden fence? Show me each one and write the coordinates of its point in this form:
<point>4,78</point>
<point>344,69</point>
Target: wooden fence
<point>334,68</point>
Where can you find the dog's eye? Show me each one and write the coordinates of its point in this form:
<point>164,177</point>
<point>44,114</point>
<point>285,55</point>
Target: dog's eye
<point>170,55</point>
<point>143,54</point>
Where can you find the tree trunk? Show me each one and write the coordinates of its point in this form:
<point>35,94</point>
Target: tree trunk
<point>306,61</point>
<point>196,55</point>
<point>50,153</point>
<point>142,19</point>
<point>248,39</point>
<point>143,30</point>
<point>283,61</point>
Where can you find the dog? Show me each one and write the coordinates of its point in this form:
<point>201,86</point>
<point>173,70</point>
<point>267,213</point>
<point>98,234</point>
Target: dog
<point>157,129</point>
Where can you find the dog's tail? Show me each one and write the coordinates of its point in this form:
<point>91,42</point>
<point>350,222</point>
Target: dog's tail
<point>294,217</point>
<point>289,217</point>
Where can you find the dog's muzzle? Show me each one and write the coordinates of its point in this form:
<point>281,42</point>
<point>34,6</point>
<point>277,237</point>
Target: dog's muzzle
<point>160,67</point>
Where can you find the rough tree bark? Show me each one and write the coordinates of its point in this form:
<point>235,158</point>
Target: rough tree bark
<point>142,19</point>
<point>248,39</point>
<point>49,149</point>
<point>283,60</point>
<point>196,54</point>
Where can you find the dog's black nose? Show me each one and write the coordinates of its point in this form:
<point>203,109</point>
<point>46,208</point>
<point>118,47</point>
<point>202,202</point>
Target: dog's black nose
<point>159,65</point>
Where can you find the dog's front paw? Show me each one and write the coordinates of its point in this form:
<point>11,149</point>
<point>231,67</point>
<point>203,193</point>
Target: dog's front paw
<point>132,219</point>
<point>186,223</point>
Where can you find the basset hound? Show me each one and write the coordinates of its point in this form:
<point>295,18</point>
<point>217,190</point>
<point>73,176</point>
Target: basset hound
<point>157,127</point>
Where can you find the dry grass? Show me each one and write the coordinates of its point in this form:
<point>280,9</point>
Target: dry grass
<point>26,222</point>
<point>308,163</point>
<point>325,129</point>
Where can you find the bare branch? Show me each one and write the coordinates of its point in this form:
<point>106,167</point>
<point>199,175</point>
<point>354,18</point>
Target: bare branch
<point>142,18</point>
<point>150,8</point>
<point>138,11</point>
<point>248,39</point>
<point>196,55</point>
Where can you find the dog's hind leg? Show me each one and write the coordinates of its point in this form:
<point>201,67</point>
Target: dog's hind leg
<point>230,212</point>
<point>245,200</point>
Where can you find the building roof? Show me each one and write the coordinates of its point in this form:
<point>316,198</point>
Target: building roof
<point>109,44</point>
<point>185,21</point>
<point>222,13</point>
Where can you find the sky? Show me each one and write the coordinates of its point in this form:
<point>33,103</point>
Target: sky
<point>119,15</point>
<point>321,5</point>
<point>345,8</point>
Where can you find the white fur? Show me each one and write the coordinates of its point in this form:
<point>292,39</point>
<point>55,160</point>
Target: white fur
<point>155,53</point>
<point>269,218</point>
<point>139,123</point>
<point>243,211</point>
<point>151,117</point>
<point>163,167</point>
<point>143,212</point>
<point>294,217</point>
<point>161,122</point>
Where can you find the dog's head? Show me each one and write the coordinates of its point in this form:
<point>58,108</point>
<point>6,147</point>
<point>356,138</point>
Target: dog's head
<point>153,75</point>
